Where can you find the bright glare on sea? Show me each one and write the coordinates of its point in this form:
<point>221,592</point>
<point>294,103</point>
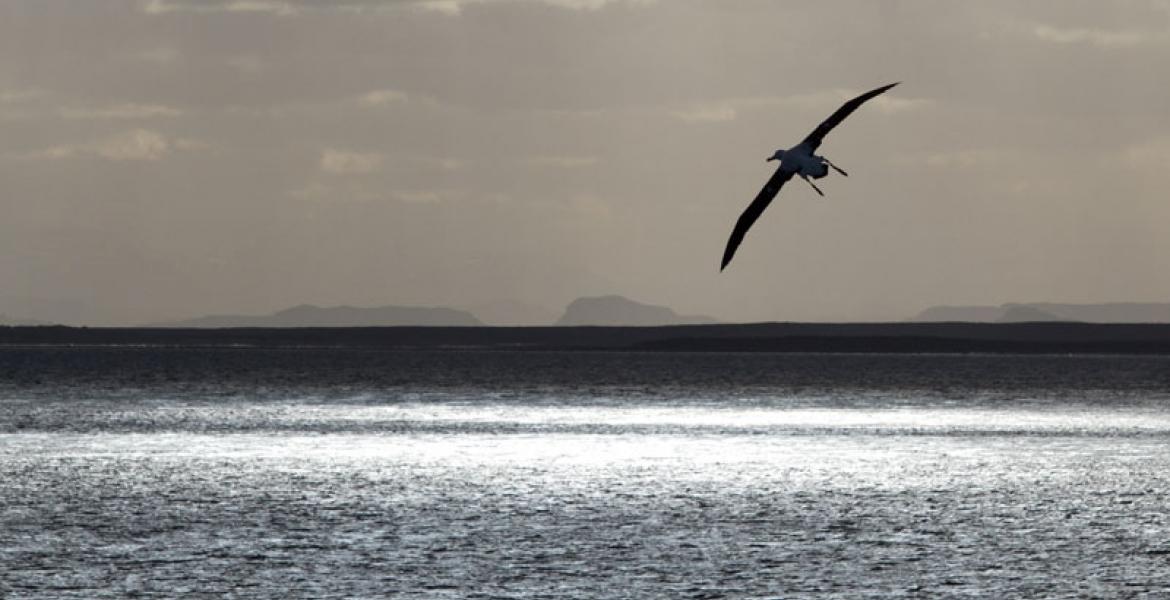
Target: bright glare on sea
<point>333,473</point>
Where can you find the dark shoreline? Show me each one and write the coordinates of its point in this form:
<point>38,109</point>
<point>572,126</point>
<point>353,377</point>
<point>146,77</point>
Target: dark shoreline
<point>1041,337</point>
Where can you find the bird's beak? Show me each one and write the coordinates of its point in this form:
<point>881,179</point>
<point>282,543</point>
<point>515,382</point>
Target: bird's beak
<point>770,159</point>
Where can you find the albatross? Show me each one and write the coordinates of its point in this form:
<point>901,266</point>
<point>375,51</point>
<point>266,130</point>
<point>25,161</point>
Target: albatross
<point>797,160</point>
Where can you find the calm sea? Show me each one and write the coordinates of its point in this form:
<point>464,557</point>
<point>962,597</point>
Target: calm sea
<point>333,473</point>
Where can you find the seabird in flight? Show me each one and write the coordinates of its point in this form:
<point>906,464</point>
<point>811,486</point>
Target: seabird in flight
<point>798,160</point>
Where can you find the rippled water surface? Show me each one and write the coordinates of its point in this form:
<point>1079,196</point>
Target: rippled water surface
<point>151,472</point>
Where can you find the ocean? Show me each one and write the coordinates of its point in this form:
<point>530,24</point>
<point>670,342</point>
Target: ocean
<point>163,472</point>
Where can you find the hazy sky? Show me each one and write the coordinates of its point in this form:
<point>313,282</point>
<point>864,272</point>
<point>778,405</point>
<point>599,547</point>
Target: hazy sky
<point>166,159</point>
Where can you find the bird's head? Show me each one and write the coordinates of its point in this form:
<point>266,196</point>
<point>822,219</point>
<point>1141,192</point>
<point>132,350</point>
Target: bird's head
<point>779,155</point>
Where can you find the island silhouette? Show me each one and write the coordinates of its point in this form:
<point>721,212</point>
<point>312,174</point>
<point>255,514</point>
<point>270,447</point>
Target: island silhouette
<point>1108,312</point>
<point>615,310</point>
<point>307,315</point>
<point>611,310</point>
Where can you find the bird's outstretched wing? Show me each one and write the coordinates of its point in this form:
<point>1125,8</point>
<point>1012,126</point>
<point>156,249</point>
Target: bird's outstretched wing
<point>752,212</point>
<point>815,138</point>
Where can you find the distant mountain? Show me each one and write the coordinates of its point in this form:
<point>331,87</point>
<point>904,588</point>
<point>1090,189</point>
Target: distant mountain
<point>616,310</point>
<point>1113,312</point>
<point>7,321</point>
<point>307,315</point>
<point>1026,313</point>
<point>975,314</point>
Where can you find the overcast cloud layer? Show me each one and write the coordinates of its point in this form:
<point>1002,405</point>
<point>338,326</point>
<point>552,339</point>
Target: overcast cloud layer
<point>169,158</point>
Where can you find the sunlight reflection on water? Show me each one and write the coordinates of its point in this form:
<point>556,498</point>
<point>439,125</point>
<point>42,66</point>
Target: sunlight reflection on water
<point>189,487</point>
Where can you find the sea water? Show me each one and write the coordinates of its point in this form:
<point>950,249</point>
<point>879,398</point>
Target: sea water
<point>346,473</point>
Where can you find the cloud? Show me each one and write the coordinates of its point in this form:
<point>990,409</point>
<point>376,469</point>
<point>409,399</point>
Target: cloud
<point>122,111</point>
<point>590,206</point>
<point>132,145</point>
<point>1153,155</point>
<point>139,144</point>
<point>20,96</point>
<point>830,99</point>
<point>159,7</point>
<point>728,109</point>
<point>24,104</point>
<point>190,144</point>
<point>297,7</point>
<point>246,63</point>
<point>355,192</point>
<point>447,163</point>
<point>1102,38</point>
<point>998,157</point>
<point>711,113</point>
<point>381,98</point>
<point>447,7</point>
<point>337,192</point>
<point>160,56</point>
<point>418,196</point>
<point>341,162</point>
<point>455,7</point>
<point>588,4</point>
<point>312,191</point>
<point>564,162</point>
<point>344,104</point>
<point>965,159</point>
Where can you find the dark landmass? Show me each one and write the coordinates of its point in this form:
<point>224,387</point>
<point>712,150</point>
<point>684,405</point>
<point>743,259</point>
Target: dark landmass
<point>1047,337</point>
<point>307,315</point>
<point>619,311</point>
<point>1113,312</point>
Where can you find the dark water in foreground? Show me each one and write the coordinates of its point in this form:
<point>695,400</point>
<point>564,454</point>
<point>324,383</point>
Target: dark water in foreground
<point>349,474</point>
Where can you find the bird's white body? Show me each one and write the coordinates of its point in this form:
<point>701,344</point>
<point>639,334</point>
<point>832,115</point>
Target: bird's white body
<point>800,161</point>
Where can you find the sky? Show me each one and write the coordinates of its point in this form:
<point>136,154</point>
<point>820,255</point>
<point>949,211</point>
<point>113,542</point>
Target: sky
<point>165,159</point>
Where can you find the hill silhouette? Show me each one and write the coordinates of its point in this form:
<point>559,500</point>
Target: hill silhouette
<point>621,311</point>
<point>1111,312</point>
<point>1024,313</point>
<point>307,315</point>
